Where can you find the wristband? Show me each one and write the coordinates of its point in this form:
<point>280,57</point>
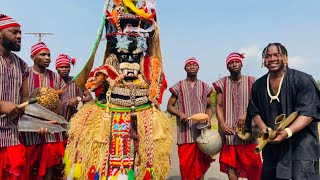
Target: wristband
<point>79,98</point>
<point>289,132</point>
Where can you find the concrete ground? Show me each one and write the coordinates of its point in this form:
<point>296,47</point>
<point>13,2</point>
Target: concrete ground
<point>213,172</point>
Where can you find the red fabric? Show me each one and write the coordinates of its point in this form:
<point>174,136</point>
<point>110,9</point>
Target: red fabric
<point>6,22</point>
<point>162,88</point>
<point>191,60</point>
<point>12,162</point>
<point>146,68</point>
<point>193,163</point>
<point>42,157</point>
<point>234,57</point>
<point>35,49</point>
<point>243,159</point>
<point>64,59</point>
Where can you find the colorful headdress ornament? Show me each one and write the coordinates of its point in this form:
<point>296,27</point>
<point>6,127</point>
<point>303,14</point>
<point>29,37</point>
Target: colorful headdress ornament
<point>38,47</point>
<point>124,21</point>
<point>126,18</point>
<point>64,59</point>
<point>234,56</point>
<point>6,21</point>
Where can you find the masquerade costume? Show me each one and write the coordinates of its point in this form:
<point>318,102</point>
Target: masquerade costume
<point>122,134</point>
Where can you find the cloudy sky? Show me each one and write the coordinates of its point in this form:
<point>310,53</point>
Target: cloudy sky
<point>208,30</point>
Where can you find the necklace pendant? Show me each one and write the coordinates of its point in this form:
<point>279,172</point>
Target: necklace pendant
<point>274,98</point>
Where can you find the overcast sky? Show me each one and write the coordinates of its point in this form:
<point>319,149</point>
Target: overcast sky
<point>208,30</point>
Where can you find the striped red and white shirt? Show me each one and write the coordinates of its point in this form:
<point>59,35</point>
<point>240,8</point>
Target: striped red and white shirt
<point>11,78</point>
<point>236,95</point>
<point>54,81</point>
<point>70,92</point>
<point>191,100</point>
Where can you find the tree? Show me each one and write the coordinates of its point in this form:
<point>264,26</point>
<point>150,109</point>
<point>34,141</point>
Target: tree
<point>213,100</point>
<point>318,84</point>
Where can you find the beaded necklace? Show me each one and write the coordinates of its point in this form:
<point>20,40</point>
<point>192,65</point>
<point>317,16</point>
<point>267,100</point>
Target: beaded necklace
<point>276,97</point>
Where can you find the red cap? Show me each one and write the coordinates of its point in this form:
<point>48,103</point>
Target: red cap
<point>38,47</point>
<point>191,60</point>
<point>64,59</point>
<point>6,21</point>
<point>234,56</point>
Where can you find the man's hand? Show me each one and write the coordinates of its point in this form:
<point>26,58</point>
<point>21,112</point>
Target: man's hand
<point>281,135</point>
<point>72,102</point>
<point>183,117</point>
<point>10,108</point>
<point>241,121</point>
<point>227,130</point>
<point>43,131</point>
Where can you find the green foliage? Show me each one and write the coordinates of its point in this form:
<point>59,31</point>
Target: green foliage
<point>213,99</point>
<point>318,84</point>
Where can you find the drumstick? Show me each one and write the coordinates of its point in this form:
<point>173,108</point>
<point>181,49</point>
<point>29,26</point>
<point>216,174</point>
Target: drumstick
<point>35,99</point>
<point>199,117</point>
<point>22,105</point>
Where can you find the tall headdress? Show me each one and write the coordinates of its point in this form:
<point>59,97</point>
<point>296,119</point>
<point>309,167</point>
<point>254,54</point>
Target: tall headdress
<point>124,19</point>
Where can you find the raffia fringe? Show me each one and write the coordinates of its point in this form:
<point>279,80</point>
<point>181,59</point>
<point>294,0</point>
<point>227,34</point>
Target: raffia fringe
<point>88,137</point>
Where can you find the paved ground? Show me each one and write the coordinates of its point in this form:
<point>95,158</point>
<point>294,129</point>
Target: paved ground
<point>212,174</point>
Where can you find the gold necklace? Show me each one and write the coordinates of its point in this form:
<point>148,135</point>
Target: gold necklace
<point>276,97</point>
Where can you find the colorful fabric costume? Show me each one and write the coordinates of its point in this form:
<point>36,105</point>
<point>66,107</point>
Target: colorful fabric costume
<point>43,151</point>
<point>72,91</point>
<point>12,153</point>
<point>191,100</point>
<point>236,152</point>
<point>298,156</point>
<point>122,134</point>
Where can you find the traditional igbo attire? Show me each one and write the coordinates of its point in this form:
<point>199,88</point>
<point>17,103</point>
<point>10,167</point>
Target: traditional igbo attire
<point>191,100</point>
<point>72,91</point>
<point>43,151</point>
<point>12,153</point>
<point>298,156</point>
<point>236,152</point>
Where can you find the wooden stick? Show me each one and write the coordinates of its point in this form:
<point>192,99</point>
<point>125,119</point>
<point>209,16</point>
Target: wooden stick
<point>22,105</point>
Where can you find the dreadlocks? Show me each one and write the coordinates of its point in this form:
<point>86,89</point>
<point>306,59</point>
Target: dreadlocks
<point>281,49</point>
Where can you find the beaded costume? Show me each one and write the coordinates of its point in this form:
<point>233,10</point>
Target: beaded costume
<point>122,134</point>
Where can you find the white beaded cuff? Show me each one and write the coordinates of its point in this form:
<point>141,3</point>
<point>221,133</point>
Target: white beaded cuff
<point>289,132</point>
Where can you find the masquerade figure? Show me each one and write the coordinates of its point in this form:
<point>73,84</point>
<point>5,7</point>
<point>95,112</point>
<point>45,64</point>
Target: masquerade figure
<point>237,157</point>
<point>192,96</point>
<point>72,94</point>
<point>44,151</point>
<point>122,134</point>
<point>294,152</point>
<point>14,72</point>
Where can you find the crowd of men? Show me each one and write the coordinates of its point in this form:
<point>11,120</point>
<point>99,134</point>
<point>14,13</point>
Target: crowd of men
<point>292,154</point>
<point>31,155</point>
